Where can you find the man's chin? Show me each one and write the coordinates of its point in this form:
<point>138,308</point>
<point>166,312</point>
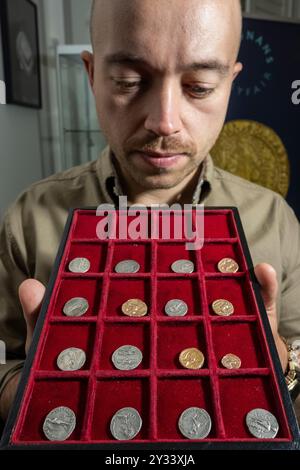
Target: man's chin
<point>162,181</point>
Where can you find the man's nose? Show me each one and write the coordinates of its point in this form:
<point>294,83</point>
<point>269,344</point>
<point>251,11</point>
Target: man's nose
<point>163,116</point>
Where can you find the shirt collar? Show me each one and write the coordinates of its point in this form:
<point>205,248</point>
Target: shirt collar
<point>111,187</point>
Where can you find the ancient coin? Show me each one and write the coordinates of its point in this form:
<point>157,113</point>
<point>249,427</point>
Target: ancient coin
<point>127,266</point>
<point>195,423</point>
<point>182,266</point>
<point>76,307</point>
<point>236,151</point>
<point>176,308</point>
<point>191,358</point>
<point>79,265</point>
<point>228,265</point>
<point>125,424</point>
<point>127,357</point>
<point>223,307</point>
<point>71,359</point>
<point>231,361</point>
<point>59,424</point>
<point>262,424</point>
<point>134,308</point>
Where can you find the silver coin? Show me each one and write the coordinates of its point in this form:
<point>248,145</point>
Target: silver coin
<point>76,307</point>
<point>176,308</point>
<point>182,266</point>
<point>262,424</point>
<point>59,424</point>
<point>79,265</point>
<point>71,359</point>
<point>127,357</point>
<point>194,423</point>
<point>125,424</point>
<point>127,266</point>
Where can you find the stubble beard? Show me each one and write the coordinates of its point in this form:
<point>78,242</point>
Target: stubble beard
<point>161,178</point>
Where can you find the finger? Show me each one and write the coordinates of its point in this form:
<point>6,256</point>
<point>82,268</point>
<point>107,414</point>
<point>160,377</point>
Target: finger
<point>267,278</point>
<point>31,294</point>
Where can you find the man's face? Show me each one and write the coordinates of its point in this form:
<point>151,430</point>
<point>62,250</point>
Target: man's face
<point>161,75</point>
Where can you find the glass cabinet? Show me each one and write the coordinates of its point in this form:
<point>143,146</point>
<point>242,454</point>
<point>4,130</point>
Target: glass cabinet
<point>81,139</point>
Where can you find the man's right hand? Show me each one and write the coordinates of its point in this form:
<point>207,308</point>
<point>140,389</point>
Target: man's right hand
<point>31,294</point>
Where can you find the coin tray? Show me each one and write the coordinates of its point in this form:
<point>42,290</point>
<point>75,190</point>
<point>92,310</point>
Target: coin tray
<point>160,388</point>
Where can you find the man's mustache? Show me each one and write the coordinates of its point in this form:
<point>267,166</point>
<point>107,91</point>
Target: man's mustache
<point>161,145</point>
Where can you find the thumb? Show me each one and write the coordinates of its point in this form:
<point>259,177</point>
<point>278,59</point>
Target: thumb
<point>31,294</point>
<point>267,278</point>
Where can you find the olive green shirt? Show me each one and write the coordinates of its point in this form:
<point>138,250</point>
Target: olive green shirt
<point>33,225</point>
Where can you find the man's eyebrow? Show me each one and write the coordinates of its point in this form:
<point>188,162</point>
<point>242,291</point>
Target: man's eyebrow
<point>127,58</point>
<point>214,65</point>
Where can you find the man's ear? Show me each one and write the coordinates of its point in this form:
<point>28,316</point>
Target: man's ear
<point>238,67</point>
<point>88,60</point>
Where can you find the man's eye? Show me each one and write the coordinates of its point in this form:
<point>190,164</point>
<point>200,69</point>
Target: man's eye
<point>127,85</point>
<point>198,91</point>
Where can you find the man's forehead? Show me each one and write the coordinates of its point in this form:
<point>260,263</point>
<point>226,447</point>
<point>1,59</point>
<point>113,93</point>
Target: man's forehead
<point>163,24</point>
<point>120,6</point>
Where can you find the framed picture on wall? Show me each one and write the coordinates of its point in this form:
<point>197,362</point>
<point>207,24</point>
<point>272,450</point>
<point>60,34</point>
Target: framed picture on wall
<point>20,46</point>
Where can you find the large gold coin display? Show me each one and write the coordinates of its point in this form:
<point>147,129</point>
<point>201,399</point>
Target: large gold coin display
<point>255,152</point>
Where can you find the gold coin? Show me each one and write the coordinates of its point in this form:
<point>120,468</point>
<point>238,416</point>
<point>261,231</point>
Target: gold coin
<point>134,308</point>
<point>223,307</point>
<point>231,361</point>
<point>228,265</point>
<point>191,358</point>
<point>255,152</point>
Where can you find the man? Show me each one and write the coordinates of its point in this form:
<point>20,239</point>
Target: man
<point>161,74</point>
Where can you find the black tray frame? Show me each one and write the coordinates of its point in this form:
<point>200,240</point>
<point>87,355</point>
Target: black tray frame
<point>5,443</point>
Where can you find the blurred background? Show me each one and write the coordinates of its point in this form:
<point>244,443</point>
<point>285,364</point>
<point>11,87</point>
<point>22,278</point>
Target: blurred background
<point>49,121</point>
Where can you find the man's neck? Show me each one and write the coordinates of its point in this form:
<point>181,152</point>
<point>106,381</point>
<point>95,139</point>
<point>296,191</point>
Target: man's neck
<point>180,194</point>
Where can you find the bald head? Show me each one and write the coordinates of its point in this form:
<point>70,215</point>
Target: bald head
<point>111,10</point>
<point>161,73</point>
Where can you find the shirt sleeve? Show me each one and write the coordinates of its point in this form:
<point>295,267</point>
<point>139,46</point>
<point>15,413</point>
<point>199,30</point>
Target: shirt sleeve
<point>12,272</point>
<point>289,322</point>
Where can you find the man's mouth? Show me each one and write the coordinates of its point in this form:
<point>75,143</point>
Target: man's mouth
<point>161,159</point>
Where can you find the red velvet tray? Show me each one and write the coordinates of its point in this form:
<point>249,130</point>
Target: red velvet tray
<point>160,388</point>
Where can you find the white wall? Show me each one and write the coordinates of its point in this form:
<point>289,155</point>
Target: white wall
<point>77,19</point>
<point>271,7</point>
<point>20,162</point>
<point>296,11</point>
<point>278,8</point>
